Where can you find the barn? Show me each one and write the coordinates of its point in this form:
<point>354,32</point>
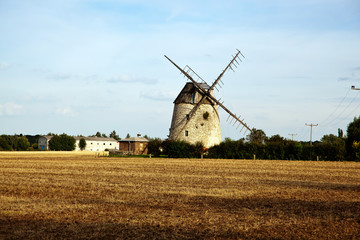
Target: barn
<point>134,145</point>
<point>94,144</point>
<point>97,144</point>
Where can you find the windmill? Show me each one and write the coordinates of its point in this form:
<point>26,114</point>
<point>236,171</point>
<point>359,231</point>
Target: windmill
<point>195,116</point>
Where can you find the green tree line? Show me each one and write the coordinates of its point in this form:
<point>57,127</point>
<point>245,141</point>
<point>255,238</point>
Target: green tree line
<point>61,142</point>
<point>258,145</point>
<point>14,143</point>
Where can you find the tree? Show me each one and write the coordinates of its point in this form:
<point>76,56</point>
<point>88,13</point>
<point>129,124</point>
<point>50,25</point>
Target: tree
<point>82,144</point>
<point>293,150</point>
<point>331,148</point>
<point>179,149</point>
<point>353,135</point>
<point>114,135</point>
<point>12,140</point>
<point>4,144</point>
<point>22,144</point>
<point>55,143</point>
<point>331,138</point>
<point>256,136</point>
<point>98,134</point>
<point>155,147</point>
<point>340,133</point>
<point>18,143</point>
<point>68,142</point>
<point>34,146</point>
<point>127,135</point>
<point>62,142</point>
<point>275,138</point>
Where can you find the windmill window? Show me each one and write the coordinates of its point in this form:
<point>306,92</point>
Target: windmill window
<point>186,133</point>
<point>193,98</point>
<point>206,115</point>
<point>187,116</point>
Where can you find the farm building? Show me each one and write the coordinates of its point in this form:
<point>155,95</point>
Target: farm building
<point>43,142</point>
<point>94,144</point>
<point>134,145</point>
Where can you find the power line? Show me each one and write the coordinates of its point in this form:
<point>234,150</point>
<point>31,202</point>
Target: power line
<point>338,118</point>
<point>301,132</point>
<point>322,123</point>
<point>341,113</point>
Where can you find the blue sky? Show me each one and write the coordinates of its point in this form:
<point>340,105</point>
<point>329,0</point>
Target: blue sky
<point>85,66</point>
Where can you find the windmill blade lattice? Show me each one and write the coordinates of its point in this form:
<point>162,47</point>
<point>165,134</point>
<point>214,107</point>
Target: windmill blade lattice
<point>189,73</point>
<point>192,73</point>
<point>233,62</point>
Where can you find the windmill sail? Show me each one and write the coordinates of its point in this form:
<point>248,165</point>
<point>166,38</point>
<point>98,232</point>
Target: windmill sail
<point>192,73</point>
<point>233,62</point>
<point>206,93</point>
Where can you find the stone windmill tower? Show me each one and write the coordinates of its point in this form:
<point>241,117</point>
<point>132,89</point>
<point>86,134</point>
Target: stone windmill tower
<point>195,117</point>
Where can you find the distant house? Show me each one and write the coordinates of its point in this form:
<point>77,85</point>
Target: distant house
<point>95,144</point>
<point>134,145</point>
<point>43,142</point>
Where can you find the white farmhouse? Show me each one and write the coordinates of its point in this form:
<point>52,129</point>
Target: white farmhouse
<point>94,144</point>
<point>97,144</point>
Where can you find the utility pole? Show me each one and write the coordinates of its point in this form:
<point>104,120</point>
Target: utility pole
<point>311,126</point>
<point>292,136</point>
<point>354,88</point>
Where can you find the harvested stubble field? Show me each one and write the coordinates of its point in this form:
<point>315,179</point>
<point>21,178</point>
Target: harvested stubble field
<point>78,196</point>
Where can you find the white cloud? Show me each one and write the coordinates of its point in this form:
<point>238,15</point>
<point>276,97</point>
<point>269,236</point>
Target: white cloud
<point>62,76</point>
<point>65,111</point>
<point>131,79</point>
<point>291,57</point>
<point>159,95</point>
<point>11,109</point>
<point>4,65</point>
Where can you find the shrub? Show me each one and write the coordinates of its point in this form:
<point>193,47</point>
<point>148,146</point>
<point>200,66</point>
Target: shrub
<point>179,149</point>
<point>82,144</point>
<point>4,144</point>
<point>353,135</point>
<point>22,144</point>
<point>155,147</point>
<point>62,142</point>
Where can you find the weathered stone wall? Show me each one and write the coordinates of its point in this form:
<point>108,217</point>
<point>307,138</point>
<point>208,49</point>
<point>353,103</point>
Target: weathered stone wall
<point>198,128</point>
